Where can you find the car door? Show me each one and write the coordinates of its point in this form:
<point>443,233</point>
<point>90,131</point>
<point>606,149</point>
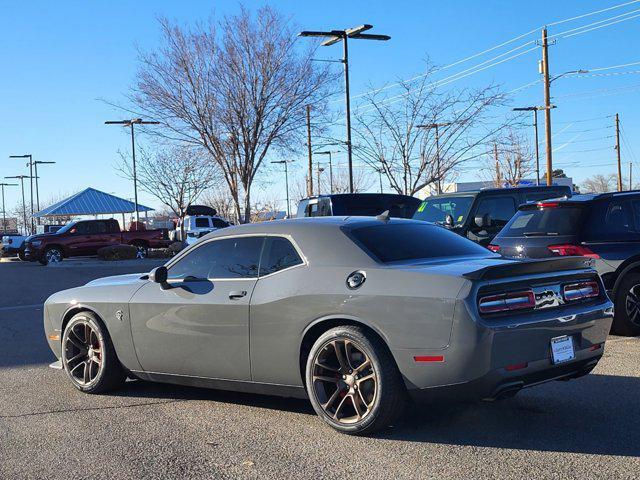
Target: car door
<point>79,240</point>
<point>198,323</point>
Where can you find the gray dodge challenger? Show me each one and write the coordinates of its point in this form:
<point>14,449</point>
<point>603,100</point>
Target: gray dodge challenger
<point>362,315</point>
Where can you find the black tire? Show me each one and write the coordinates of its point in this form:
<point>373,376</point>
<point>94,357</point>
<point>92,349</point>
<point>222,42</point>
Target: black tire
<point>627,301</point>
<point>388,401</point>
<point>22,257</point>
<point>109,374</point>
<point>51,255</point>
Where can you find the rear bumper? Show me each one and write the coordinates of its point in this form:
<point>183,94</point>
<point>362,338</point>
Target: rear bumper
<point>487,360</point>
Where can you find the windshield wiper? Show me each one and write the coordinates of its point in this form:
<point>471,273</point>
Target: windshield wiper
<point>539,234</point>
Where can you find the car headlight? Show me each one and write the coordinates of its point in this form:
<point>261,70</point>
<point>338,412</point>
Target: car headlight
<point>36,243</point>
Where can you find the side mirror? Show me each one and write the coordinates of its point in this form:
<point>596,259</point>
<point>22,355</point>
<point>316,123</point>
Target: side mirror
<point>448,221</point>
<point>159,275</point>
<point>483,220</point>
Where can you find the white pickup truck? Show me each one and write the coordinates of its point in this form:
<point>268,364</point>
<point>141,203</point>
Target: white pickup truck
<point>12,245</point>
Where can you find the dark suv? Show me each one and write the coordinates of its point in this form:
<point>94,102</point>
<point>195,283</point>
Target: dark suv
<point>604,227</point>
<point>480,214</point>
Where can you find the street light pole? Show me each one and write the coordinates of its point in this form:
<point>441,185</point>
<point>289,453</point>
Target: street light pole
<point>4,214</point>
<point>535,128</point>
<point>329,152</point>
<point>334,36</point>
<point>35,166</point>
<point>320,170</point>
<point>24,208</point>
<point>286,180</point>
<point>30,165</point>
<point>131,123</point>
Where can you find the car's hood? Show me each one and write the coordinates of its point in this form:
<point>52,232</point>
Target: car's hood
<point>39,236</point>
<point>128,279</point>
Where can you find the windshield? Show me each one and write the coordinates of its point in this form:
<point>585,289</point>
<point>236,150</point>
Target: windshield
<point>436,209</point>
<point>543,222</point>
<point>67,227</point>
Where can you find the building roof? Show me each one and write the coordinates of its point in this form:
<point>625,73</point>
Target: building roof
<point>90,202</point>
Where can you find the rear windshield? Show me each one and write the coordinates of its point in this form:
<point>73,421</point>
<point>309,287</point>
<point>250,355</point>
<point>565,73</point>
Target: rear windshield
<point>437,209</point>
<point>413,241</point>
<point>532,222</point>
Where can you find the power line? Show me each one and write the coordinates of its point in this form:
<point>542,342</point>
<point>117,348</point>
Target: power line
<point>620,5</point>
<point>584,29</point>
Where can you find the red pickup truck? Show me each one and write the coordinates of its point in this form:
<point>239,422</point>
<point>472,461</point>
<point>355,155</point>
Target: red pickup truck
<point>86,237</point>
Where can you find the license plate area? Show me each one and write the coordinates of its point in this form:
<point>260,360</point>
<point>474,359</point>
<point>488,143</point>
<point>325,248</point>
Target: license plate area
<point>562,349</point>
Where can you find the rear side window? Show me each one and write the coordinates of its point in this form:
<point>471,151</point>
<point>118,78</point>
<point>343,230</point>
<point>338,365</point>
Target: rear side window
<point>500,209</point>
<point>414,241</point>
<point>217,223</point>
<point>611,221</point>
<point>544,222</point>
<point>360,206</point>
<point>278,254</point>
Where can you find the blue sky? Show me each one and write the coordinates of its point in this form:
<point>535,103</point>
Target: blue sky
<point>59,58</point>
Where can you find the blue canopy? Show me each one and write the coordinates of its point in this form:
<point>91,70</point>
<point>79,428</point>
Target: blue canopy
<point>90,202</point>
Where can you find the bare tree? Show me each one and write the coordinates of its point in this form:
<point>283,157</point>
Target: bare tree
<point>600,183</point>
<point>221,202</point>
<point>237,89</point>
<point>397,134</point>
<point>511,160</point>
<point>362,180</point>
<point>177,176</point>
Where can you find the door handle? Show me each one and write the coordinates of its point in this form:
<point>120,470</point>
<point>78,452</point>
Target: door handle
<point>237,294</point>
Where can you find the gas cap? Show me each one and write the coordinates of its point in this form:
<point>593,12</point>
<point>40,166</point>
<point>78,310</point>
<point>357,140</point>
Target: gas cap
<point>356,279</point>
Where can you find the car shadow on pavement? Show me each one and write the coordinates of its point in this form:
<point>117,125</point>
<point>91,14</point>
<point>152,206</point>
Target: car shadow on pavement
<point>597,414</point>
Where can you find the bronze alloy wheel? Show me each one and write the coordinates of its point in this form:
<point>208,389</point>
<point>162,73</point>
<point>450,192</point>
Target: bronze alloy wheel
<point>344,381</point>
<point>83,353</point>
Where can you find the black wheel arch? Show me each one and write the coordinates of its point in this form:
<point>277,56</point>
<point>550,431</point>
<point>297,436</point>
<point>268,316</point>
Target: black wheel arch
<point>612,281</point>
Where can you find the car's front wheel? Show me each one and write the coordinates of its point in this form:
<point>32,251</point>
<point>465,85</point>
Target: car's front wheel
<point>353,382</point>
<point>627,307</point>
<point>88,356</point>
<point>51,255</point>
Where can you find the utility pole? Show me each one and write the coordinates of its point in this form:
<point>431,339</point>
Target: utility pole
<point>547,104</point>
<point>334,36</point>
<point>131,123</point>
<point>495,155</point>
<point>436,126</point>
<point>4,214</point>
<point>310,179</point>
<point>630,175</point>
<point>618,152</point>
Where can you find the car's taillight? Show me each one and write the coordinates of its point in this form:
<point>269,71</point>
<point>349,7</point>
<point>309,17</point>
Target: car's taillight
<point>579,291</point>
<point>548,204</point>
<point>494,248</point>
<point>568,250</point>
<point>507,301</point>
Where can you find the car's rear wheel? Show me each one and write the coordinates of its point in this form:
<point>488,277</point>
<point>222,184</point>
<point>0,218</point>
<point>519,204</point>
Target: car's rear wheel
<point>88,356</point>
<point>51,255</point>
<point>21,256</point>
<point>353,382</point>
<point>627,307</point>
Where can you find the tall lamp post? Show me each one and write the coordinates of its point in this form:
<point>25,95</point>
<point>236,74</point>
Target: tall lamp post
<point>131,123</point>
<point>334,36</point>
<point>24,208</point>
<point>4,213</point>
<point>436,126</point>
<point>30,165</point>
<point>329,152</point>
<point>286,180</point>
<point>35,167</point>
<point>535,128</point>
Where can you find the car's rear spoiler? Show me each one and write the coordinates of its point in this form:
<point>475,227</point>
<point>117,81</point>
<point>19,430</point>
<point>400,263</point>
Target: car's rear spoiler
<point>517,268</point>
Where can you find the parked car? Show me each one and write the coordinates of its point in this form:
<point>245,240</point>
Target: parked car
<point>603,227</point>
<point>479,215</point>
<point>354,313</point>
<point>358,204</point>
<point>197,226</point>
<point>13,246</point>
<point>86,237</point>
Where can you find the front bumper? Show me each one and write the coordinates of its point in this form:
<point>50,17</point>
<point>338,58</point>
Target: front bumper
<point>31,253</point>
<point>493,359</point>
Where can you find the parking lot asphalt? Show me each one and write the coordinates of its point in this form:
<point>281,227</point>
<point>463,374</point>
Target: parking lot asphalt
<point>585,428</point>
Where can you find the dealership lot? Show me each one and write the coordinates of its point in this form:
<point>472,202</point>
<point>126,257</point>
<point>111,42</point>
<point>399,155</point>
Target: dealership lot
<point>585,428</point>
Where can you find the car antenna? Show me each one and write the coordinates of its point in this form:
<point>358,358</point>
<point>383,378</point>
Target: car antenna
<point>383,217</point>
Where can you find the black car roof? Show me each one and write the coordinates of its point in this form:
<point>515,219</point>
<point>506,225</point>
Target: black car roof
<point>499,190</point>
